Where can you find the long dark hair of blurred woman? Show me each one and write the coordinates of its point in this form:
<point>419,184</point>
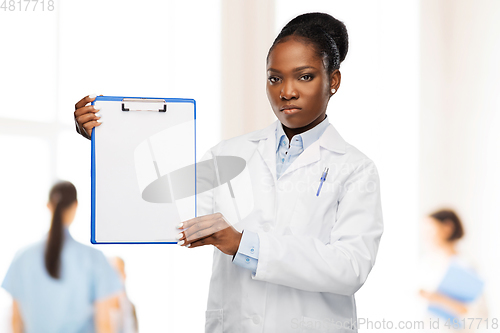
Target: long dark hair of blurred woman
<point>62,200</point>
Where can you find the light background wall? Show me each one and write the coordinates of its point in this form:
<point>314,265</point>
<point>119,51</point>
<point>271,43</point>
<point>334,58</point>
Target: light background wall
<point>418,96</point>
<point>459,125</point>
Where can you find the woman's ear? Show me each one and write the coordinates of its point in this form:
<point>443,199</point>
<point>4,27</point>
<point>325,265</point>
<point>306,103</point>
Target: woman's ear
<point>335,78</point>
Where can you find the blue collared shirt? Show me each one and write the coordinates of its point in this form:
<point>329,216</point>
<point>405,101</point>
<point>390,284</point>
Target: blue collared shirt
<point>65,304</point>
<point>286,152</point>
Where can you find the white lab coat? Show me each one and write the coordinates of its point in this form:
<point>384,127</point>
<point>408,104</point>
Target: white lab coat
<point>315,251</point>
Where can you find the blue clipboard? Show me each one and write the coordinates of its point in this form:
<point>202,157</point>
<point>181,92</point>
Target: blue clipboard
<point>143,169</point>
<point>460,283</point>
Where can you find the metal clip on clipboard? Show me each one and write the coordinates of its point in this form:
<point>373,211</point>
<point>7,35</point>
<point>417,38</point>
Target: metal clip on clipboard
<point>144,104</point>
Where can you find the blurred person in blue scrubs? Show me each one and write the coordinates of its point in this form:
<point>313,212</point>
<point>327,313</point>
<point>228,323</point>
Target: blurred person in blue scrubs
<point>58,284</point>
<point>124,314</point>
<point>443,231</point>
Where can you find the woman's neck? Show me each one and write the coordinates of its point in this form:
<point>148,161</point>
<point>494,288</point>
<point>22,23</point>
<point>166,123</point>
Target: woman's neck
<point>291,132</point>
<point>449,248</point>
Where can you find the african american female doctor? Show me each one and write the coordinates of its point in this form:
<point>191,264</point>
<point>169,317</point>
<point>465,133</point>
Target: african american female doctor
<point>295,262</point>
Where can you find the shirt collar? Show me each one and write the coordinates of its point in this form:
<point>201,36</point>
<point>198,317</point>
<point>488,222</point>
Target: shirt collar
<point>307,137</point>
<point>330,140</point>
<point>66,232</point>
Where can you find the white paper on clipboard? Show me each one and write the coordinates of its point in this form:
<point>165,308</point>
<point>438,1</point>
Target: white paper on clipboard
<point>142,143</point>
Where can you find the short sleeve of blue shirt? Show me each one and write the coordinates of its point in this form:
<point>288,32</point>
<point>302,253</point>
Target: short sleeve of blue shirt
<point>106,280</point>
<point>13,277</point>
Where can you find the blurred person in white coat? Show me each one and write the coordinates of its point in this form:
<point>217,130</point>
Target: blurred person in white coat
<point>294,263</point>
<point>443,230</point>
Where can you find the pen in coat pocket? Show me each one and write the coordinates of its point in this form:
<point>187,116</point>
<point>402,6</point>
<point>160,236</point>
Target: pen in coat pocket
<point>323,178</point>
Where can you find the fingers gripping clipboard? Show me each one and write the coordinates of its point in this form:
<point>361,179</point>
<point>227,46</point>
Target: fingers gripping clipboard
<point>143,169</point>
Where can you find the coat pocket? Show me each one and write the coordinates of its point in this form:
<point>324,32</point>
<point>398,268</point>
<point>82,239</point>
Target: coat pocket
<point>315,215</point>
<point>213,321</point>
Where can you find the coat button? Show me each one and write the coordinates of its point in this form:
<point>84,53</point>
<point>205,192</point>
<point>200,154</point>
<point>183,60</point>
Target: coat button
<point>256,320</point>
<point>266,227</point>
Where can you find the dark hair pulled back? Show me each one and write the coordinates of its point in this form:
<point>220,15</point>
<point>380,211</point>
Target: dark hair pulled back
<point>61,196</point>
<point>449,216</point>
<point>326,33</point>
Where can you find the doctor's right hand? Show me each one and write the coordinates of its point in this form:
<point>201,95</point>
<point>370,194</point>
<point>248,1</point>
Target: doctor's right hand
<point>86,116</point>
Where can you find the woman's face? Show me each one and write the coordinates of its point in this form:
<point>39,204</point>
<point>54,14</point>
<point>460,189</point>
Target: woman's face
<point>298,86</point>
<point>437,231</point>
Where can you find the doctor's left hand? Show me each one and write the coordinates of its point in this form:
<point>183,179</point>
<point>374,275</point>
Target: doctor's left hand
<point>210,229</point>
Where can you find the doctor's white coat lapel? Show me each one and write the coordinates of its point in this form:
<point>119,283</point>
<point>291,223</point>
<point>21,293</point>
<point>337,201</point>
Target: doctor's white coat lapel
<point>330,140</point>
<point>357,227</point>
<point>267,145</point>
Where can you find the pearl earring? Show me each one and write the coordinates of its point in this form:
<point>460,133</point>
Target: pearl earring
<point>333,91</point>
